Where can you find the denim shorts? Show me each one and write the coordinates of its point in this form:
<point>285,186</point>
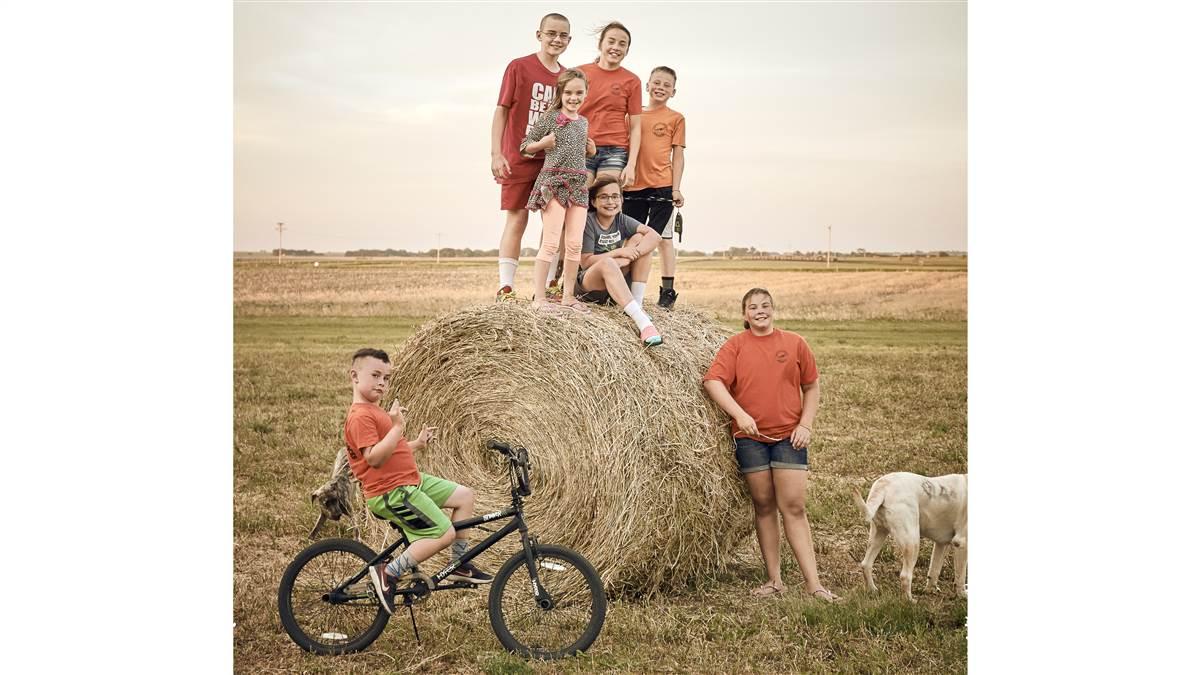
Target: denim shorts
<point>755,455</point>
<point>608,158</point>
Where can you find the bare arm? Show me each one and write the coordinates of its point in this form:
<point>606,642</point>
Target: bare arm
<point>720,395</point>
<point>379,453</point>
<point>500,167</point>
<point>629,174</point>
<point>802,435</point>
<point>677,175</point>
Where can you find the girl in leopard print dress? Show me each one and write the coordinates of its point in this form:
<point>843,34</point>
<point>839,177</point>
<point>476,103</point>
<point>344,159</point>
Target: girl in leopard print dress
<point>560,191</point>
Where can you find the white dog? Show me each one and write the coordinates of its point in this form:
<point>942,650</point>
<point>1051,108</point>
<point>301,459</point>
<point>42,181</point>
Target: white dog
<point>911,506</point>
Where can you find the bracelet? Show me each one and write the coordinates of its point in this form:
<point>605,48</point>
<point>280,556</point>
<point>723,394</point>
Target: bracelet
<point>809,428</point>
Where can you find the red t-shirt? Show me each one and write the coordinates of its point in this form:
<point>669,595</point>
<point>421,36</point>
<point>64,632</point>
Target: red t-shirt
<point>526,90</point>
<point>611,95</point>
<point>764,374</point>
<point>366,425</point>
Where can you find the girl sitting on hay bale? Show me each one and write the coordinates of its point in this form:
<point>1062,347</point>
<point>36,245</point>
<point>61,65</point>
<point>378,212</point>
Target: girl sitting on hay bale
<point>615,261</point>
<point>767,381</point>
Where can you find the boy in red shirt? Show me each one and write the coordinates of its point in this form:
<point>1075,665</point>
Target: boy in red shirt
<point>382,460</point>
<point>525,93</point>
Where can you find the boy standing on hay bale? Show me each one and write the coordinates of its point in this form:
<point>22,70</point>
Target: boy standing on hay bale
<point>526,91</point>
<point>382,459</point>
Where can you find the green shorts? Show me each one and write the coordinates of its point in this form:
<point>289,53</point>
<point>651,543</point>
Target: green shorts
<point>422,517</point>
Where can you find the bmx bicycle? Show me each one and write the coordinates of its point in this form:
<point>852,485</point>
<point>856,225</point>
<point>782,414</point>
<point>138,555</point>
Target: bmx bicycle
<point>555,609</point>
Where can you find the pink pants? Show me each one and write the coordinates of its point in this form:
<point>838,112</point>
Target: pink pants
<point>553,217</point>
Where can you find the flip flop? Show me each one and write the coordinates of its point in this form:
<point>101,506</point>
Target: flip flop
<point>767,590</point>
<point>577,306</point>
<point>828,595</point>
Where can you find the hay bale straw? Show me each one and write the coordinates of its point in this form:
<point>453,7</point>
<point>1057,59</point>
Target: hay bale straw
<point>633,465</point>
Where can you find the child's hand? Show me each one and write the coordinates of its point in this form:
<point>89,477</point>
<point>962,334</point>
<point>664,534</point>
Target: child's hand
<point>747,425</point>
<point>591,148</point>
<point>801,436</point>
<point>627,176</point>
<point>549,141</point>
<point>397,412</point>
<point>500,166</point>
<point>677,198</point>
<point>427,434</point>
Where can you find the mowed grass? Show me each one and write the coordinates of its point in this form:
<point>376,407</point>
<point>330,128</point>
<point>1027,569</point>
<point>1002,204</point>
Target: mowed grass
<point>893,398</point>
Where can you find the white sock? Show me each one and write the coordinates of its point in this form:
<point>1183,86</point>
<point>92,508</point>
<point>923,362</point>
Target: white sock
<point>553,269</point>
<point>638,289</point>
<point>508,271</point>
<point>635,312</point>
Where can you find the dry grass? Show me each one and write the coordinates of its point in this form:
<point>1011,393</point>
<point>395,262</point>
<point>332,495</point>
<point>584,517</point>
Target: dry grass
<point>422,289</point>
<point>893,398</point>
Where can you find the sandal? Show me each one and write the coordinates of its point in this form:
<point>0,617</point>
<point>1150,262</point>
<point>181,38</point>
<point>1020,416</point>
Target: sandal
<point>826,595</point>
<point>577,306</point>
<point>768,589</point>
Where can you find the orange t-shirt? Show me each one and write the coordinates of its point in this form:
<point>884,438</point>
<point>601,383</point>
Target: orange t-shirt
<point>366,425</point>
<point>612,94</point>
<point>661,129</point>
<point>764,374</point>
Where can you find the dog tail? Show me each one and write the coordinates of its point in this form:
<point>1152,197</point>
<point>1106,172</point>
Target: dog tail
<point>869,507</point>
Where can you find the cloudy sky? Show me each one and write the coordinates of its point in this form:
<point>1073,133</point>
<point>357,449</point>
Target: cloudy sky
<point>366,125</point>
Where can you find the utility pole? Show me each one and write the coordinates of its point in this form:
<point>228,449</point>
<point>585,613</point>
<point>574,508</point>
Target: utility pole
<point>829,248</point>
<point>279,226</point>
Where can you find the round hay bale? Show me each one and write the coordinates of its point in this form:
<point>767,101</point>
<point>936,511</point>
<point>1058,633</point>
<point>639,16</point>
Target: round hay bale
<point>633,465</point>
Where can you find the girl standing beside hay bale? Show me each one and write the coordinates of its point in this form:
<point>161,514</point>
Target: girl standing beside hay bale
<point>767,381</point>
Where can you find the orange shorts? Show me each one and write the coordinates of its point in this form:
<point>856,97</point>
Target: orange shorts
<point>515,195</point>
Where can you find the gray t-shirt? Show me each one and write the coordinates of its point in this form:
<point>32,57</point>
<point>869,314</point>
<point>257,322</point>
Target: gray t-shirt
<point>599,240</point>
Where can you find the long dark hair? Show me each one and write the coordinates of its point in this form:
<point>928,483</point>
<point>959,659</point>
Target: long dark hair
<point>750,294</point>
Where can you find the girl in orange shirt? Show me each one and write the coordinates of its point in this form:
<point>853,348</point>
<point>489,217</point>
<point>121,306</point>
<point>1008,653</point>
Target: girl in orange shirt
<point>613,108</point>
<point>767,381</point>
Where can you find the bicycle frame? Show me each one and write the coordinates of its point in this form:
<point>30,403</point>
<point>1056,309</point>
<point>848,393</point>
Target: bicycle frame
<point>528,543</point>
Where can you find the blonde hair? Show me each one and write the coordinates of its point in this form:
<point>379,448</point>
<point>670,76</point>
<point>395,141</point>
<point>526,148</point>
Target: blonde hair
<point>563,78</point>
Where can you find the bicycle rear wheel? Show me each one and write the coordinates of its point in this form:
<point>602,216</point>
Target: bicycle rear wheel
<point>318,619</point>
<point>572,622</point>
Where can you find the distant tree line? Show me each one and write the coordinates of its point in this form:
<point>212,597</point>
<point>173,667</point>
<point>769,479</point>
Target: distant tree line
<point>731,252</point>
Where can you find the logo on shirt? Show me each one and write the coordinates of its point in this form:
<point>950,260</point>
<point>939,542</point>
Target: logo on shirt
<point>615,88</point>
<point>660,129</point>
<point>608,241</point>
<point>781,356</point>
<point>540,98</point>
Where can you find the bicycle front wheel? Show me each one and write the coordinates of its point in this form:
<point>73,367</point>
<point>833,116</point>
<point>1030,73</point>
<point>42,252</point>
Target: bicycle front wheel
<point>574,617</point>
<point>324,621</point>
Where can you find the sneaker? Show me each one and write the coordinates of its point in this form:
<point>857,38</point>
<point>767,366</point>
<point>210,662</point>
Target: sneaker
<point>384,585</point>
<point>666,297</point>
<point>505,293</point>
<point>554,291</point>
<point>650,336</point>
<point>469,573</point>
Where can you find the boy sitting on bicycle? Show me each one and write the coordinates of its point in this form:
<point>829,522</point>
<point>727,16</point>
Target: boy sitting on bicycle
<point>382,460</point>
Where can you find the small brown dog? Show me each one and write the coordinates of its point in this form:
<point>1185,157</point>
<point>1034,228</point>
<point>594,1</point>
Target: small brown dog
<point>911,506</point>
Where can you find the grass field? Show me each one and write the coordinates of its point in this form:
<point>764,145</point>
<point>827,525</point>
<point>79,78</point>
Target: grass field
<point>893,398</point>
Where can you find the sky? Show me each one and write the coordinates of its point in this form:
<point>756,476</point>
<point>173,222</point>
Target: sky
<point>367,125</point>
